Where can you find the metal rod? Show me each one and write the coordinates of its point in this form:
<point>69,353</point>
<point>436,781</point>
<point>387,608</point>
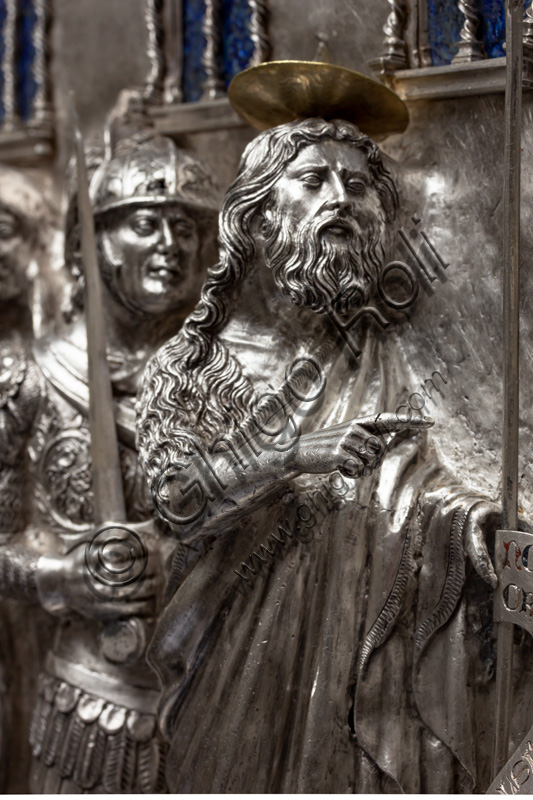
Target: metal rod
<point>511,318</point>
<point>107,475</point>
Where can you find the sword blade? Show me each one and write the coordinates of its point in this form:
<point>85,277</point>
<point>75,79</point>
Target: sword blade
<point>514,10</point>
<point>108,490</point>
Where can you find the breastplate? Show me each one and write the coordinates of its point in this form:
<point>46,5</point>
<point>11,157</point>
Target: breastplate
<point>63,517</point>
<point>60,464</point>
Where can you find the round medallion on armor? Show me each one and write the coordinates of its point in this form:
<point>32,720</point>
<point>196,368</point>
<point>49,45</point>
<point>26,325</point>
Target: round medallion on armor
<point>66,478</point>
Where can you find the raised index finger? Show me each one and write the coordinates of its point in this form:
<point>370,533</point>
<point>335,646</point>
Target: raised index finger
<point>390,423</point>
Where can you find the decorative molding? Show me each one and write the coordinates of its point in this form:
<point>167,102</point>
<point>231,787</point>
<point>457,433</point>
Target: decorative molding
<point>456,80</point>
<point>206,115</point>
<point>478,77</point>
<point>27,143</point>
<point>27,147</point>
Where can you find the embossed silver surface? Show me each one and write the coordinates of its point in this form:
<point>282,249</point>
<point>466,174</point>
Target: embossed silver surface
<point>316,646</point>
<point>93,726</point>
<point>448,167</point>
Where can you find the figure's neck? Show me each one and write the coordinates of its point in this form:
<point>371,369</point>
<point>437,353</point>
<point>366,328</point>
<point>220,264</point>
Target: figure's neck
<point>261,310</point>
<point>267,332</point>
<point>131,340</point>
<point>131,333</point>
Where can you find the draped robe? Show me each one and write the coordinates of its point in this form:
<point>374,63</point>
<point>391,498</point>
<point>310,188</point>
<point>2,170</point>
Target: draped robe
<point>356,659</point>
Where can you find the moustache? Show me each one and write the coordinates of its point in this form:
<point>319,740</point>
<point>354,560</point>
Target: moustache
<point>338,225</point>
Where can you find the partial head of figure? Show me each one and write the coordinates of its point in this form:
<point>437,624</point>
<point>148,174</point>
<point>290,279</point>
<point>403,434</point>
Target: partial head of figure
<point>320,198</point>
<point>22,215</point>
<point>155,212</point>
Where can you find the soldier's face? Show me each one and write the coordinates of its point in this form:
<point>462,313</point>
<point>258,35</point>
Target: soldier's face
<point>14,254</point>
<point>155,253</point>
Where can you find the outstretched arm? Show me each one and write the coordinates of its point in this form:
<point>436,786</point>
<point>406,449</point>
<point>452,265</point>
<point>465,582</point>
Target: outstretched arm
<point>209,492</point>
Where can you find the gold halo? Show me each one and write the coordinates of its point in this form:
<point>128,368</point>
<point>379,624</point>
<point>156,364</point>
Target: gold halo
<point>281,91</point>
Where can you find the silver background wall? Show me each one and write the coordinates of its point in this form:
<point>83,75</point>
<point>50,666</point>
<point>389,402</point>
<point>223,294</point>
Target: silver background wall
<point>450,167</point>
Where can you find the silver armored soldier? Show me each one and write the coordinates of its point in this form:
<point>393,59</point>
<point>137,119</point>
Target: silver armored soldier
<point>93,726</point>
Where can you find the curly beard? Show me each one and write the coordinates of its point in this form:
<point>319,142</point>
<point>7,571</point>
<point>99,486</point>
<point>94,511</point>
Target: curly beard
<point>318,273</point>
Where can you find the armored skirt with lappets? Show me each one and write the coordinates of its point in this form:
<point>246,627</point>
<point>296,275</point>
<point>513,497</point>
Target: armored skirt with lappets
<point>94,724</point>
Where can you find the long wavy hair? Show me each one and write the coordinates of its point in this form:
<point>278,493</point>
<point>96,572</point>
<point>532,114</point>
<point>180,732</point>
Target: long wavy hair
<point>193,383</point>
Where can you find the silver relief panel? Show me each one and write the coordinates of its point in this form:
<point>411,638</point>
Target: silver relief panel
<point>345,564</point>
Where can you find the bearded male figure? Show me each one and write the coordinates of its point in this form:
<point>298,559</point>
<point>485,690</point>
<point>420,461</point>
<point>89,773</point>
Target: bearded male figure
<point>93,727</point>
<point>346,663</point>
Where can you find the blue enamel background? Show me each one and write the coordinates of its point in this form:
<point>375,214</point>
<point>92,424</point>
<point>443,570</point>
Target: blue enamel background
<point>193,48</point>
<point>444,23</point>
<point>236,50</point>
<point>2,23</point>
<point>26,53</point>
<point>237,46</point>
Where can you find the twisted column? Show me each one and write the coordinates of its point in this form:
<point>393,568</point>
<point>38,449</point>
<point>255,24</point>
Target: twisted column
<point>174,50</point>
<point>259,32</point>
<point>470,49</point>
<point>11,118</point>
<point>42,101</point>
<point>154,85</point>
<point>394,55</point>
<point>527,50</point>
<point>528,26</point>
<point>423,54</point>
<point>211,29</point>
